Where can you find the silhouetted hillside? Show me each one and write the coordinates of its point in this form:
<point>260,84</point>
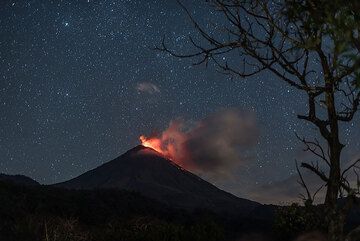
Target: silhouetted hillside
<point>146,171</point>
<point>28,212</point>
<point>18,179</point>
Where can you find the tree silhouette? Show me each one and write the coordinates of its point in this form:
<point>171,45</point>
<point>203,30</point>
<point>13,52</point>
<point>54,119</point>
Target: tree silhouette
<point>314,47</point>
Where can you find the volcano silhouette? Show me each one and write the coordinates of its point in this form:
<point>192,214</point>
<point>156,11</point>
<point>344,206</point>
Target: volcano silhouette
<point>147,172</point>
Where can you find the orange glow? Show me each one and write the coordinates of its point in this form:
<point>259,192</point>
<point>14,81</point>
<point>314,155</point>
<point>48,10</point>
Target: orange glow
<point>154,143</point>
<point>169,143</point>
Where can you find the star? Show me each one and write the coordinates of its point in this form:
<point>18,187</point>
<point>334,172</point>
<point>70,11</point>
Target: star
<point>68,86</point>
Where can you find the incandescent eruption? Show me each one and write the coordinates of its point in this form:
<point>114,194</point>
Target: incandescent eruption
<point>153,143</point>
<point>214,144</point>
<point>170,143</point>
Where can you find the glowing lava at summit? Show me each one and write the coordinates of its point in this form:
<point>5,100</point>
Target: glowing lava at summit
<point>154,143</point>
<point>169,143</point>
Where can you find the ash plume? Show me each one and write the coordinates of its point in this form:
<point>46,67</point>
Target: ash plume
<point>214,144</point>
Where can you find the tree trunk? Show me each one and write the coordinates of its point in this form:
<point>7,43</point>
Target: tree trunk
<point>334,216</point>
<point>335,229</point>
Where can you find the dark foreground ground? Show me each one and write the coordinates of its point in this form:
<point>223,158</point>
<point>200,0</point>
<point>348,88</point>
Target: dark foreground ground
<point>47,213</point>
<point>34,213</point>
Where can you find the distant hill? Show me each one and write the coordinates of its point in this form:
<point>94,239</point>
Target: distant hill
<point>146,171</point>
<point>18,179</point>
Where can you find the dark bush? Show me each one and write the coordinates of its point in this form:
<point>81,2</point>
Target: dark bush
<point>290,221</point>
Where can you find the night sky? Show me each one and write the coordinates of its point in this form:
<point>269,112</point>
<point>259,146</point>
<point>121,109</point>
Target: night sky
<point>80,82</point>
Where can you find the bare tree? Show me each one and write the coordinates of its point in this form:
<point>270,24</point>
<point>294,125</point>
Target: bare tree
<point>314,47</point>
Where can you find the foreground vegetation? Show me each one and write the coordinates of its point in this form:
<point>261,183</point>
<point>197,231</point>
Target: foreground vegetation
<point>45,213</point>
<point>40,213</point>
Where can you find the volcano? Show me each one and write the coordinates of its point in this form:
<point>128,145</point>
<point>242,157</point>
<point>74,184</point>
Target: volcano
<point>147,172</point>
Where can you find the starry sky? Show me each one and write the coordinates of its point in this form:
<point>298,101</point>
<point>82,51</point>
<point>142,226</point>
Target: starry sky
<point>80,82</point>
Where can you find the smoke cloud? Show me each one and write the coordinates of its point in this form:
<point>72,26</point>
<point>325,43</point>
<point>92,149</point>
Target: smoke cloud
<point>147,87</point>
<point>214,144</point>
<point>286,191</point>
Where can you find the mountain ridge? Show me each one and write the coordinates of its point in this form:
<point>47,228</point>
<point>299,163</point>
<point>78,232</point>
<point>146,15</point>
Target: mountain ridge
<point>18,179</point>
<point>146,171</point>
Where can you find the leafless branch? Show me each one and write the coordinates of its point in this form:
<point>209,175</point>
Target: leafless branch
<point>315,148</point>
<point>303,184</point>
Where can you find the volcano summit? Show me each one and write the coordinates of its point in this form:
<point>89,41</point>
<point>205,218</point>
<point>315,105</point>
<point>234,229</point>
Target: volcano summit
<point>146,171</point>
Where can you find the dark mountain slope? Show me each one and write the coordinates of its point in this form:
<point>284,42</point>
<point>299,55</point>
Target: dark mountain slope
<point>146,171</point>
